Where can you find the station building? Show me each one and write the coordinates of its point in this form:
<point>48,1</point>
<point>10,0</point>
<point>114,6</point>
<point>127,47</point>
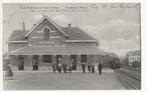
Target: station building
<point>47,43</point>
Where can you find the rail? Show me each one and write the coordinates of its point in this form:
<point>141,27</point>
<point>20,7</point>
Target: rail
<point>129,79</point>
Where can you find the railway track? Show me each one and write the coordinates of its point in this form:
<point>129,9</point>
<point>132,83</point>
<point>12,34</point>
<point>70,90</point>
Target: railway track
<point>129,79</point>
<point>133,69</point>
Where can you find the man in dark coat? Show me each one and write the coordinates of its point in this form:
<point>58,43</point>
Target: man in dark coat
<point>100,66</point>
<point>83,68</point>
<point>70,68</point>
<point>93,69</point>
<point>59,67</point>
<point>89,67</point>
<point>64,68</point>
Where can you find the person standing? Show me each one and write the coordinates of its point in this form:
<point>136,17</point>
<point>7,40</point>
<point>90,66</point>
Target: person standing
<point>83,67</point>
<point>100,66</point>
<point>59,67</point>
<point>89,67</point>
<point>93,69</point>
<point>70,68</point>
<point>64,68</point>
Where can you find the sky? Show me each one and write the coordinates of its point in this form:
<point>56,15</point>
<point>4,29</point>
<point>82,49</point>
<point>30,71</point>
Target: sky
<point>115,26</point>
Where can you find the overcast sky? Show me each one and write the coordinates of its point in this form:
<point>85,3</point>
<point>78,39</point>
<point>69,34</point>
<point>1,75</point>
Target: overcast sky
<point>115,26</point>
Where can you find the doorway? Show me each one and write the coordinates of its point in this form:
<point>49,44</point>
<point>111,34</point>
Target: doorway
<point>20,62</point>
<point>84,58</point>
<point>73,62</point>
<point>35,62</point>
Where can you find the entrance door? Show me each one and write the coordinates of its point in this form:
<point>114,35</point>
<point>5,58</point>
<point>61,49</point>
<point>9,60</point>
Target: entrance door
<point>35,62</point>
<point>20,62</point>
<point>73,62</point>
<point>84,58</point>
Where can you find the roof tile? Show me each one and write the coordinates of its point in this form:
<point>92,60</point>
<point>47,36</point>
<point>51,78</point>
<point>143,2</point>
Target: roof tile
<point>76,33</point>
<point>17,35</point>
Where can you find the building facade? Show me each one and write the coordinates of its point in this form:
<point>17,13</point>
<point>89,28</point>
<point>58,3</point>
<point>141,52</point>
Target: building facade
<point>47,43</point>
<point>134,56</point>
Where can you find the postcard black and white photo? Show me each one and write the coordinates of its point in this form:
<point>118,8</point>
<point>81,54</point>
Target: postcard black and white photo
<point>71,46</point>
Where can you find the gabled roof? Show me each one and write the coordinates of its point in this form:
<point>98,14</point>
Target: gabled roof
<point>78,35</point>
<point>73,34</point>
<point>46,17</point>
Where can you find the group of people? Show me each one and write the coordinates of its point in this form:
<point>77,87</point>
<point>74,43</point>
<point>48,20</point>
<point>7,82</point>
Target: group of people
<point>68,68</point>
<point>91,68</point>
<point>59,67</point>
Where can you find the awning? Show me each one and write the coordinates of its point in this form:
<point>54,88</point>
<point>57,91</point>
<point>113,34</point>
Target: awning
<point>44,50</point>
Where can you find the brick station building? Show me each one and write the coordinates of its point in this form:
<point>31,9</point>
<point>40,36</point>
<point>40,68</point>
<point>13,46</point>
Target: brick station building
<point>47,43</point>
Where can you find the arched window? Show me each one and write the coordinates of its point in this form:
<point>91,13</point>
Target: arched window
<point>46,33</point>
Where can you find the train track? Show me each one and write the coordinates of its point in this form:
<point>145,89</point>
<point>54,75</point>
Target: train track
<point>128,79</point>
<point>133,69</point>
<point>133,74</point>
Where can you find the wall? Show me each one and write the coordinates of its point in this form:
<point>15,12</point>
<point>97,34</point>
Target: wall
<point>36,38</point>
<point>14,46</point>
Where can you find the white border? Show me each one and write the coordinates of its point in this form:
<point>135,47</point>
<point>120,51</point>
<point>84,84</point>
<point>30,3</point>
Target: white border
<point>143,31</point>
<point>71,1</point>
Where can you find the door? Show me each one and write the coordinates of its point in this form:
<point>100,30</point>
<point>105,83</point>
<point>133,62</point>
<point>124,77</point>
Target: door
<point>73,62</point>
<point>84,58</point>
<point>35,62</point>
<point>20,62</point>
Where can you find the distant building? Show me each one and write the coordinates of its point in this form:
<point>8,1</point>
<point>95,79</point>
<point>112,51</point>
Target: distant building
<point>134,56</point>
<point>47,43</point>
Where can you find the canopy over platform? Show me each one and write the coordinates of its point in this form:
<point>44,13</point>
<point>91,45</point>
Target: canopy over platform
<point>45,50</point>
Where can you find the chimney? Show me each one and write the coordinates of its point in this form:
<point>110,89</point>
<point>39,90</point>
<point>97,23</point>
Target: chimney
<point>69,25</point>
<point>23,26</point>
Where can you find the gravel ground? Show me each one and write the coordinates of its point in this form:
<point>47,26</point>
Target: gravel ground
<point>75,81</point>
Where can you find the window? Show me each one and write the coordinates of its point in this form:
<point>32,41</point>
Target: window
<point>73,59</point>
<point>20,60</point>
<point>47,58</point>
<point>132,58</point>
<point>46,33</point>
<point>83,58</point>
